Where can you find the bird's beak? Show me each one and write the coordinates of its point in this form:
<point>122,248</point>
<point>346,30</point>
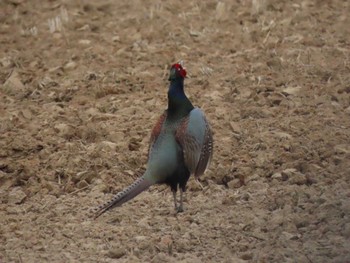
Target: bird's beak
<point>172,74</point>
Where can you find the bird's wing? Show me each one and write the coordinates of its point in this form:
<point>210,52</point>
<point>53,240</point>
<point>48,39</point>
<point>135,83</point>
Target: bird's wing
<point>195,137</point>
<point>156,130</point>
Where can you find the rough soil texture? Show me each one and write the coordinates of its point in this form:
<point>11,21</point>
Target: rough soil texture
<point>82,83</point>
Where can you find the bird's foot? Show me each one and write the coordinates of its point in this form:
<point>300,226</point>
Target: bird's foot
<point>179,209</point>
<point>199,183</point>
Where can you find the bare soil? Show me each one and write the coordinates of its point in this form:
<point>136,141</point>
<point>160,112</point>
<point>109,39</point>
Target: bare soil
<point>82,83</point>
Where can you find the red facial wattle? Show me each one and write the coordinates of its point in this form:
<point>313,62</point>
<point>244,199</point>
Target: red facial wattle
<point>180,69</point>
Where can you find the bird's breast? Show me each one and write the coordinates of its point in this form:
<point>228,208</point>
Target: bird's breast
<point>164,156</point>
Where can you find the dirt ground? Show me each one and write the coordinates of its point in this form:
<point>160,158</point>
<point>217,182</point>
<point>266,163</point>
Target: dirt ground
<point>82,83</point>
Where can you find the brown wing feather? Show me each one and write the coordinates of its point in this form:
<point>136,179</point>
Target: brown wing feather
<point>206,153</point>
<point>156,130</point>
<point>197,156</point>
<point>189,145</point>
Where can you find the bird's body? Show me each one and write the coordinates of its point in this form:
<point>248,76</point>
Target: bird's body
<point>165,157</point>
<point>180,145</point>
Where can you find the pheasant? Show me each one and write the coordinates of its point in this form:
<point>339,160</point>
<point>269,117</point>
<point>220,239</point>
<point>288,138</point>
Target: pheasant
<point>181,144</point>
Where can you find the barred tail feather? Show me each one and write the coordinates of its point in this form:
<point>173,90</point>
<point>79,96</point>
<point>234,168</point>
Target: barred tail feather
<point>137,187</point>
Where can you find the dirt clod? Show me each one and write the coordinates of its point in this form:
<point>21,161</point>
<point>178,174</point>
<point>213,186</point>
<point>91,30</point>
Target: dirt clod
<point>16,196</point>
<point>116,253</point>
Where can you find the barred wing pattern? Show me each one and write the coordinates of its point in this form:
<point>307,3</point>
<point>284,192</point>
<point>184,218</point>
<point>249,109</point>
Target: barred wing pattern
<point>156,131</point>
<point>195,137</point>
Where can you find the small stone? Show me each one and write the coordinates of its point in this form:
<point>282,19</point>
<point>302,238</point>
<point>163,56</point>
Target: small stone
<point>116,252</point>
<point>120,51</point>
<point>85,42</point>
<point>81,184</point>
<point>70,65</point>
<point>144,245</point>
<point>289,236</point>
<point>7,62</point>
<point>140,238</point>
<point>277,176</point>
<point>16,196</point>
<point>144,223</point>
<point>50,186</point>
<point>85,27</point>
<point>58,70</point>
<point>288,172</point>
<point>116,39</point>
<point>294,176</point>
<point>245,197</point>
<point>100,187</point>
<point>291,90</point>
<point>27,114</point>
<point>13,210</point>
<point>229,200</point>
<point>283,135</point>
<point>274,63</point>
<point>194,33</point>
<point>252,178</point>
<point>47,82</point>
<point>247,256</point>
<point>298,178</point>
<point>108,145</point>
<point>237,260</point>
<point>63,130</point>
<point>342,149</point>
<point>235,183</point>
<point>235,127</point>
<point>160,258</point>
<point>14,83</point>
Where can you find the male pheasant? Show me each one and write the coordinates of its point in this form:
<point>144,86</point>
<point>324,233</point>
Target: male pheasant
<point>181,144</point>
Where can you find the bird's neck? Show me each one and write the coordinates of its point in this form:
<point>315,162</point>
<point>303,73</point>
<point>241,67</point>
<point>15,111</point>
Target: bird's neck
<point>178,103</point>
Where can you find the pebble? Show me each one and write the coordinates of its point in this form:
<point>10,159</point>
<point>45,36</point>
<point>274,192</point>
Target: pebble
<point>16,196</point>
<point>235,183</point>
<point>277,176</point>
<point>84,42</point>
<point>291,90</point>
<point>116,252</point>
<point>14,82</point>
<point>298,179</point>
<point>70,65</point>
<point>63,129</point>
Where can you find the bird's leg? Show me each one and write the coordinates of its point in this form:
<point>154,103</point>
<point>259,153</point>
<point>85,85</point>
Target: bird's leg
<point>181,208</point>
<point>174,195</point>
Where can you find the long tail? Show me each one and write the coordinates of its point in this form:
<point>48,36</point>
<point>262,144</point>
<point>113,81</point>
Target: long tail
<point>140,185</point>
